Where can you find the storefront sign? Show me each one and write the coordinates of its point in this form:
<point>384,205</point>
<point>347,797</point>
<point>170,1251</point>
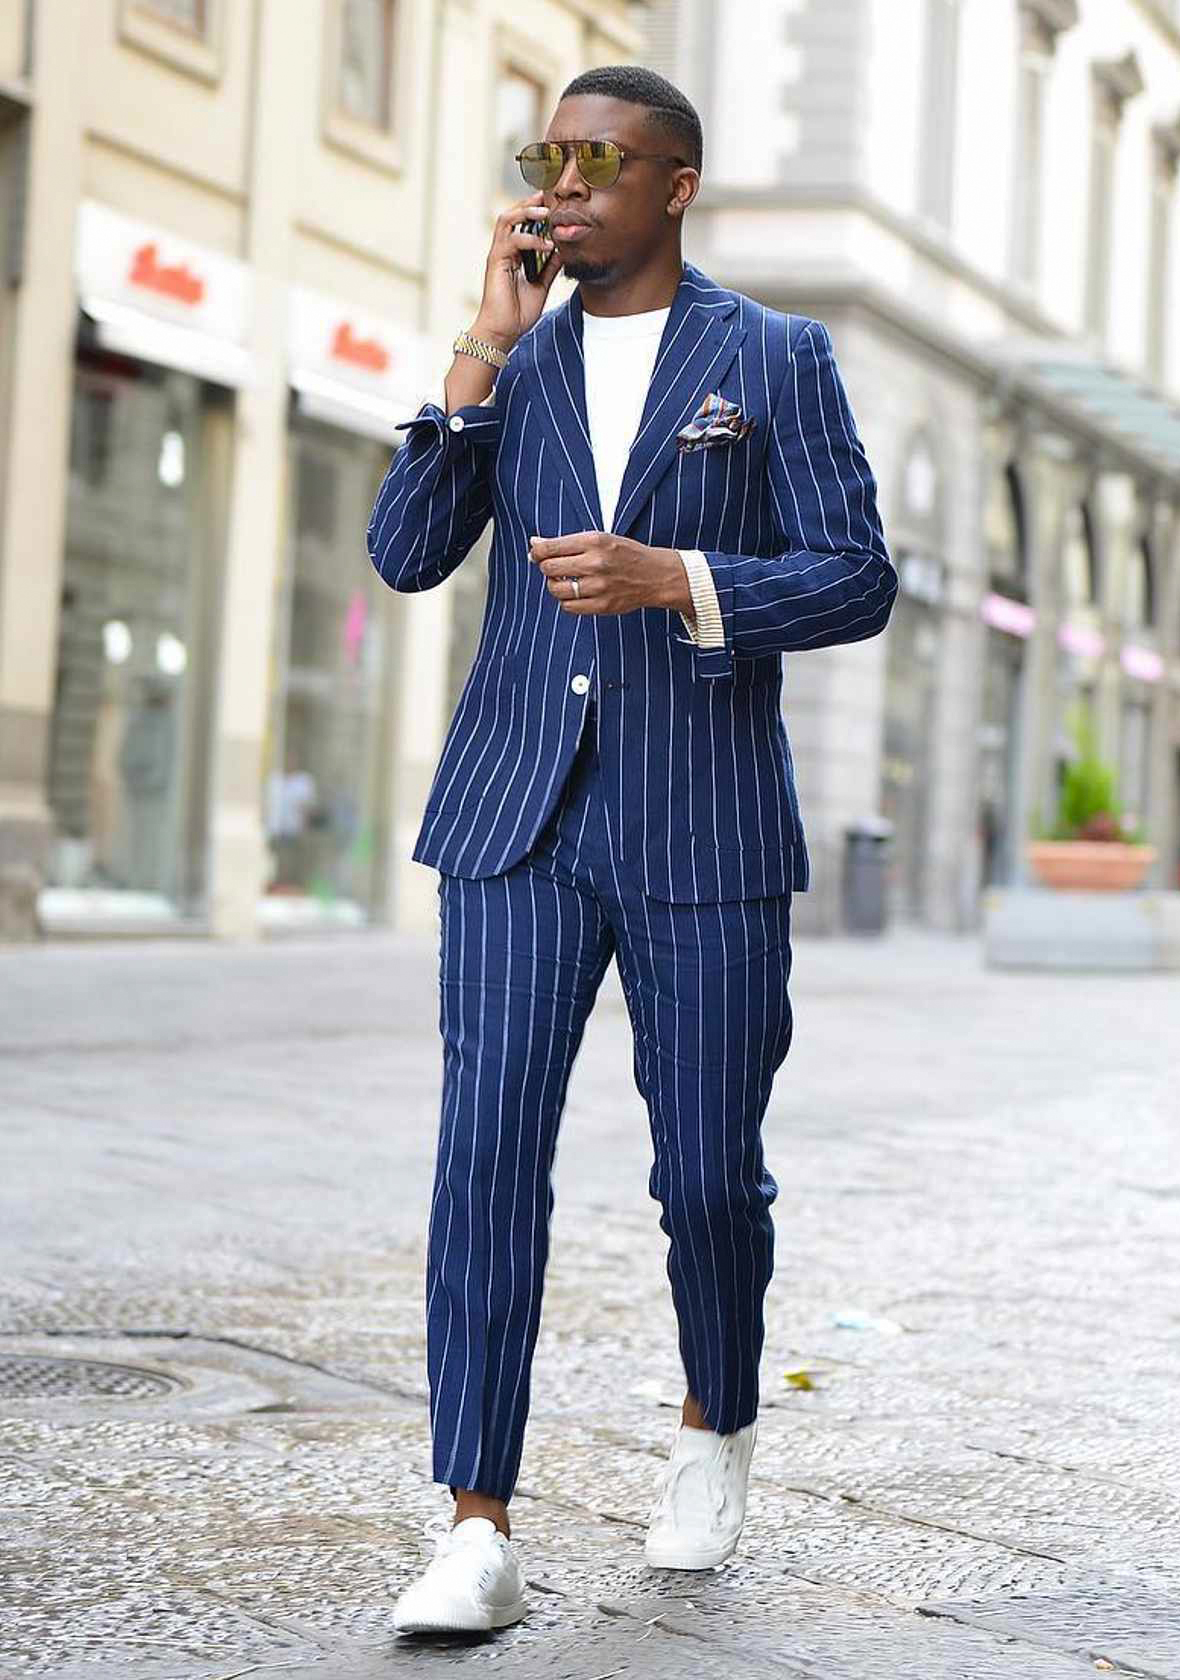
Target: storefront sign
<point>358,371</point>
<point>158,296</point>
<point>1002,613</point>
<point>1142,663</point>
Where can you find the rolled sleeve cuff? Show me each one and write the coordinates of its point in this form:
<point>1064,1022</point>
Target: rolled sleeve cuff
<point>471,422</point>
<point>709,628</point>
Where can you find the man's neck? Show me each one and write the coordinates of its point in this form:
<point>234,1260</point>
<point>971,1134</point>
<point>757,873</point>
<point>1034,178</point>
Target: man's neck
<point>636,295</point>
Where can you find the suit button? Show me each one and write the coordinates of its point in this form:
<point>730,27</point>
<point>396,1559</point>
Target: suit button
<point>580,684</point>
<point>456,422</point>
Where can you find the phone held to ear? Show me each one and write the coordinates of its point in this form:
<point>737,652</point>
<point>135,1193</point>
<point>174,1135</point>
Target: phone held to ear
<point>532,260</point>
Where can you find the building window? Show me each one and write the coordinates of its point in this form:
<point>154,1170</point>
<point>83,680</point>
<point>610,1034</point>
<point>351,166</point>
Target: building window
<point>325,789</point>
<point>940,78</point>
<point>1115,81</point>
<point>364,86</point>
<point>1165,151</point>
<point>129,741</point>
<point>518,120</point>
<point>1103,138</point>
<point>189,15</point>
<point>1032,75</point>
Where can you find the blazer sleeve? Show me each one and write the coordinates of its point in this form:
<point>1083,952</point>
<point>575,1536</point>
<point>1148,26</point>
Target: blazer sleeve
<point>833,580</point>
<point>436,497</point>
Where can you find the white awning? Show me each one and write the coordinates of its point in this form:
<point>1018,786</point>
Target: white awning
<point>133,332</point>
<point>356,370</point>
<point>341,404</point>
<point>153,294</point>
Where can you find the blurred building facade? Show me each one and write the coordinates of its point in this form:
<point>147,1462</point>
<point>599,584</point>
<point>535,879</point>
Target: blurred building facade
<point>979,198</point>
<point>237,238</point>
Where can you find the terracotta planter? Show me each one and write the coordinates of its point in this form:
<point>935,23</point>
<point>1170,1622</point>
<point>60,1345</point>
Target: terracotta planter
<point>1090,865</point>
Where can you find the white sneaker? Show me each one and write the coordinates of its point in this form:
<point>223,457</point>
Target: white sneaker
<point>701,1506</point>
<point>473,1582</point>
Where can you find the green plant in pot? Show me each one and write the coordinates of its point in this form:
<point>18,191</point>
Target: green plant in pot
<point>1089,847</point>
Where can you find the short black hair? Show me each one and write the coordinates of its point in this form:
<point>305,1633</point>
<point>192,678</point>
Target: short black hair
<point>671,115</point>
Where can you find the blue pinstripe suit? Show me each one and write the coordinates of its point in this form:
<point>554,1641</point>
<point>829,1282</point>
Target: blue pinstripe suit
<point>607,786</point>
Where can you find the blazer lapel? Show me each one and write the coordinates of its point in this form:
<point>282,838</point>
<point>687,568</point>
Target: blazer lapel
<point>700,339</point>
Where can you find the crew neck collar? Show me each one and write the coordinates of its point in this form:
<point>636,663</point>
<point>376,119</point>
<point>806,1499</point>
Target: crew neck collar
<point>638,325</point>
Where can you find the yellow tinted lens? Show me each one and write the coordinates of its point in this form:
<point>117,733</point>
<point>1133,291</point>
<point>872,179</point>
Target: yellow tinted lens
<point>599,162</point>
<point>540,164</point>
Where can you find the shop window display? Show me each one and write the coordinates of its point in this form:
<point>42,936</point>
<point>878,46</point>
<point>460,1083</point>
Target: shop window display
<point>129,742</point>
<point>326,788</point>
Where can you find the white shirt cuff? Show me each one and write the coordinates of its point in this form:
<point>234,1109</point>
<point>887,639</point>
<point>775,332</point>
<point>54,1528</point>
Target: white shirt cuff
<point>709,629</point>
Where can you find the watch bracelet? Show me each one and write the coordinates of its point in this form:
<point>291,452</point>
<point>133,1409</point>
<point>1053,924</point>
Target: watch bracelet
<point>480,349</point>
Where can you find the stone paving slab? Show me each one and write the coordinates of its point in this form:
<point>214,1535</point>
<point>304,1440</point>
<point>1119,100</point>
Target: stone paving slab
<point>219,1166</point>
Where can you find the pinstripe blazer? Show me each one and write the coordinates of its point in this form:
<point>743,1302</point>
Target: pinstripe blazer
<point>698,776</point>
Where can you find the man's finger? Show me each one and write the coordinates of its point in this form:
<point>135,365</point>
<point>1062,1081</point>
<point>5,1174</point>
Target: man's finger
<point>573,542</point>
<point>560,586</point>
<point>567,565</point>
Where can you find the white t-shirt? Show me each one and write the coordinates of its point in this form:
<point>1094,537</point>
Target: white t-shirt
<point>620,352</point>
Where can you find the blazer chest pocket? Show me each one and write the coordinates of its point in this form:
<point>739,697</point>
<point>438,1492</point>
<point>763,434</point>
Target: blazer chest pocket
<point>728,467</point>
<point>717,423</point>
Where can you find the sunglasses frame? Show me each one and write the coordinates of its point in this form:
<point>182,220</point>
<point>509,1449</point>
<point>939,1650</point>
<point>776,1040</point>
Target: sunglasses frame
<point>655,157</point>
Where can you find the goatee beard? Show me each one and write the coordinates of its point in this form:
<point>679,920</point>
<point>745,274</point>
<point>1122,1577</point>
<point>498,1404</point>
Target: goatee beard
<point>593,273</point>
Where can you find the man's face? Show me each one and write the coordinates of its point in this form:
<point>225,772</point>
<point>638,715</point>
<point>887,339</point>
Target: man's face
<point>630,221</point>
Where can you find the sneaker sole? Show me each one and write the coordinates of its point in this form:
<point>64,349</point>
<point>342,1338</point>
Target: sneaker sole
<point>671,1557</point>
<point>463,1619</point>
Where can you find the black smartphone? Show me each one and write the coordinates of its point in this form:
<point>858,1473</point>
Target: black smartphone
<point>533,261</point>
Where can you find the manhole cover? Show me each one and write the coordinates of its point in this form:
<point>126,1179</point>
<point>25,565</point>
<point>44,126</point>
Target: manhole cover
<point>30,1376</point>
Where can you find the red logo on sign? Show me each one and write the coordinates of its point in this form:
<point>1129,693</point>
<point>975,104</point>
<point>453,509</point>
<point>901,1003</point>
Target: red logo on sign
<point>175,281</point>
<point>368,353</point>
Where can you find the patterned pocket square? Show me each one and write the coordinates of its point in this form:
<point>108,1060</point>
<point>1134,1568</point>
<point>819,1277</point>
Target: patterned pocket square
<point>717,420</point>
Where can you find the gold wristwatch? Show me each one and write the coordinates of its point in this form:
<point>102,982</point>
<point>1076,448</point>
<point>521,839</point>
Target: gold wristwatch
<point>480,349</point>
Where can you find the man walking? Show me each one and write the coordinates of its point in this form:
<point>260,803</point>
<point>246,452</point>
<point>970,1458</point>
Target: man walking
<point>679,496</point>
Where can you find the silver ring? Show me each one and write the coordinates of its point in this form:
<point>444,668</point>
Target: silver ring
<point>577,588</point>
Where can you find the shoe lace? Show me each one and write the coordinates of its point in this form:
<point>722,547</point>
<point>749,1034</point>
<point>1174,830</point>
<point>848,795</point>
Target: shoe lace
<point>688,1482</point>
<point>440,1529</point>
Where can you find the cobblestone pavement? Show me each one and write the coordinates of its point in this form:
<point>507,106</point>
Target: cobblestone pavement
<point>217,1168</point>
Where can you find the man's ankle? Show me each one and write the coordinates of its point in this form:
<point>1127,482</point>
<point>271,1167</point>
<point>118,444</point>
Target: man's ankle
<point>472,1504</point>
<point>691,1414</point>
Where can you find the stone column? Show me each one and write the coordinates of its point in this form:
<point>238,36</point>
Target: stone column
<point>1049,486</point>
<point>1117,513</point>
<point>1163,813</point>
<point>952,863</point>
<point>35,442</point>
<point>237,847</point>
<point>453,266</point>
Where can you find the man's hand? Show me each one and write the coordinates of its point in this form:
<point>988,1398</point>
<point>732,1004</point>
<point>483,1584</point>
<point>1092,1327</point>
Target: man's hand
<point>615,574</point>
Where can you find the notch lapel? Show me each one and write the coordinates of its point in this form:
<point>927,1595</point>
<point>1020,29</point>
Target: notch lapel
<point>699,341</point>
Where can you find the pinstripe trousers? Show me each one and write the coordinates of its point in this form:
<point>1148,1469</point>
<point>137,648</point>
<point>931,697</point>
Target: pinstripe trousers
<point>706,985</point>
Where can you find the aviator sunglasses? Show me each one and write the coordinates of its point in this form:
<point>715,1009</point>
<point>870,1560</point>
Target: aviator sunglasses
<point>599,161</point>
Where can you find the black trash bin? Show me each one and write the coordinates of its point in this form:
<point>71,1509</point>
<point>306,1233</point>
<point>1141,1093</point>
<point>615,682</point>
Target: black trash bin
<point>866,860</point>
